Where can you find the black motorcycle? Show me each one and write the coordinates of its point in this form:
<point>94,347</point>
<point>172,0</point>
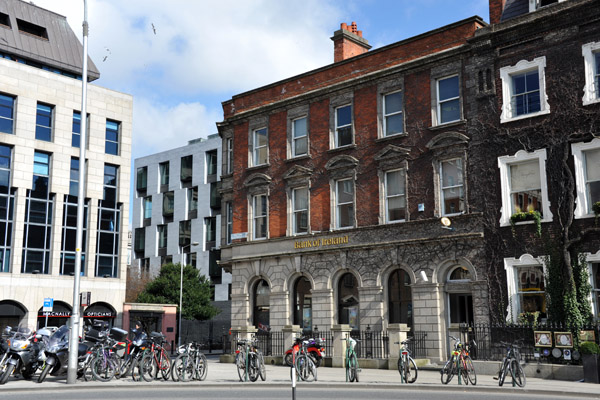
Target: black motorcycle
<point>25,354</point>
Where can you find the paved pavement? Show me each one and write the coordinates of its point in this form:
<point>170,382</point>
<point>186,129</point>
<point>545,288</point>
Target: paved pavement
<point>221,374</point>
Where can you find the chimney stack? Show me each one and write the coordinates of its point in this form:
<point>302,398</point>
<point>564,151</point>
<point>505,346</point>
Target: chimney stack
<point>348,42</point>
<point>496,10</point>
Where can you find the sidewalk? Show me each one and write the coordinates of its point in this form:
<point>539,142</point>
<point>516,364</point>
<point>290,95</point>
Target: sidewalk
<point>220,374</point>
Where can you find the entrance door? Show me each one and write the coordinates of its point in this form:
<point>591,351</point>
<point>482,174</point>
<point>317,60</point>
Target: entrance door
<point>460,312</point>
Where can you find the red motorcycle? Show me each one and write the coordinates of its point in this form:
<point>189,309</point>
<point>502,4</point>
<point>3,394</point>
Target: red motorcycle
<point>315,348</point>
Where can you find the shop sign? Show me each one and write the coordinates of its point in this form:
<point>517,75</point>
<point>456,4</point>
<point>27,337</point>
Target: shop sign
<point>315,243</point>
<point>99,314</point>
<point>238,236</point>
<point>66,314</point>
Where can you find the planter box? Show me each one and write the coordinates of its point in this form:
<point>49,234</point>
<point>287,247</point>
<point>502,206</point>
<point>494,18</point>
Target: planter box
<point>591,370</point>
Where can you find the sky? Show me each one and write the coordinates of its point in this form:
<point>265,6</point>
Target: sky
<point>180,59</point>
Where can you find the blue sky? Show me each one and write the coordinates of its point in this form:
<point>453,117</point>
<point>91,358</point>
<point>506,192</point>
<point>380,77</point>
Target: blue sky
<point>181,58</point>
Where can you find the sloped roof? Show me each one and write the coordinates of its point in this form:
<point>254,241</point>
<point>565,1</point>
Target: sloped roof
<point>56,44</point>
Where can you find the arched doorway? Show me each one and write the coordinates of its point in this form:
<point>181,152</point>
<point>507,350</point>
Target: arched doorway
<point>260,314</point>
<point>400,298</point>
<point>60,315</point>
<point>11,314</point>
<point>459,298</point>
<point>303,304</point>
<point>99,311</point>
<point>348,301</point>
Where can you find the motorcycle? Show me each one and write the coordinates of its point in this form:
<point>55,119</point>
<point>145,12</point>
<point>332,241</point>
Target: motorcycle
<point>25,354</point>
<point>315,348</point>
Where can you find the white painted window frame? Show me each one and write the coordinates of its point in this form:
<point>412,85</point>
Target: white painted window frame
<point>458,187</point>
<point>336,206</point>
<point>254,217</point>
<point>388,197</point>
<point>385,116</point>
<point>506,75</point>
<point>294,139</point>
<point>535,4</point>
<point>294,210</point>
<point>439,102</point>
<point>582,202</point>
<point>338,127</point>
<point>504,163</point>
<point>590,259</point>
<point>256,148</point>
<point>590,92</point>
<point>510,266</point>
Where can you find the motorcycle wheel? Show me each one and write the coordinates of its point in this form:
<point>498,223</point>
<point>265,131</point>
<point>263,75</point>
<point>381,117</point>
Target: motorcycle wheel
<point>7,373</point>
<point>316,358</point>
<point>288,359</point>
<point>45,370</point>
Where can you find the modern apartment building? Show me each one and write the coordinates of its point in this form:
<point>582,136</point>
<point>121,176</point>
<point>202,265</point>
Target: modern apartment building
<point>177,211</point>
<point>40,103</point>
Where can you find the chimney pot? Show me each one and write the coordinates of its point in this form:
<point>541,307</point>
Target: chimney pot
<point>348,42</point>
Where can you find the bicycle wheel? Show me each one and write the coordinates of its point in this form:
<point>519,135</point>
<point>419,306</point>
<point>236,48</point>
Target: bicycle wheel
<point>183,368</point>
<point>517,373</point>
<point>471,374</point>
<point>103,368</point>
<point>240,362</point>
<point>262,369</point>
<point>447,371</point>
<point>411,371</point>
<point>201,367</point>
<point>148,367</point>
<point>353,368</point>
<point>253,367</point>
<point>305,367</point>
<point>502,373</point>
<point>164,365</point>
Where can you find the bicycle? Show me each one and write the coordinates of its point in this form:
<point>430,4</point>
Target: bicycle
<point>304,364</point>
<point>512,363</point>
<point>406,365</point>
<point>191,363</point>
<point>248,361</point>
<point>155,359</point>
<point>459,361</point>
<point>351,360</point>
<point>105,363</point>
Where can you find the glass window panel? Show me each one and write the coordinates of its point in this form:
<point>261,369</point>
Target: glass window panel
<point>106,245</point>
<point>450,111</point>
<point>345,191</point>
<point>111,148</point>
<point>592,165</point>
<point>448,88</point>
<point>260,137</point>
<point>452,173</point>
<point>393,103</point>
<point>164,173</point>
<point>344,115</point>
<point>344,136</point>
<point>301,198</point>
<point>394,124</point>
<point>346,215</point>
<point>394,183</point>
<point>532,81</point>
<point>525,176</point>
<point>299,127</point>
<point>6,125</point>
<point>301,146</point>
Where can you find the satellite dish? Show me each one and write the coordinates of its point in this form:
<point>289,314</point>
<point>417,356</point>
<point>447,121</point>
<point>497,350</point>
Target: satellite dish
<point>445,221</point>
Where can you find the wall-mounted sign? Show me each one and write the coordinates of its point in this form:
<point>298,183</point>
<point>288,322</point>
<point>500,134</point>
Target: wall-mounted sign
<point>314,243</point>
<point>48,304</point>
<point>237,236</point>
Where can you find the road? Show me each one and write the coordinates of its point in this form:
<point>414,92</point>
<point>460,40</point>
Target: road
<point>238,392</point>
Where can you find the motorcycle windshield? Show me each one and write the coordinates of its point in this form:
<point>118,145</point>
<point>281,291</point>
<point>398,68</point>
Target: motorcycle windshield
<point>59,337</point>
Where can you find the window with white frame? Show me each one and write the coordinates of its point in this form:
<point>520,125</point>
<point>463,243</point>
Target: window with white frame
<point>259,146</point>
<point>299,136</point>
<point>594,272</point>
<point>259,216</point>
<point>344,203</point>
<point>591,61</point>
<point>523,185</point>
<point>229,211</point>
<point>452,186</point>
<point>448,100</point>
<point>586,157</point>
<point>393,117</point>
<point>524,90</point>
<point>229,156</point>
<point>300,210</point>
<point>526,286</point>
<point>535,4</point>
<point>343,126</point>
<point>395,195</point>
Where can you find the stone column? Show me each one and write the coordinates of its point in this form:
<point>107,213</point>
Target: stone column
<point>322,307</point>
<point>481,307</point>
<point>242,332</point>
<point>340,332</point>
<point>397,333</point>
<point>428,316</point>
<point>239,309</point>
<point>278,310</point>
<point>371,307</point>
<point>290,332</point>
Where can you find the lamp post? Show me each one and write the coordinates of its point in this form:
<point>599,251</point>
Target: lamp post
<point>183,259</point>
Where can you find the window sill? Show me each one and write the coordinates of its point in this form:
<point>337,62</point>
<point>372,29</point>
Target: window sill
<point>504,224</point>
<point>525,116</point>
<point>587,102</point>
<point>257,167</point>
<point>448,125</point>
<point>299,158</point>
<point>347,147</point>
<point>392,137</point>
<point>585,216</point>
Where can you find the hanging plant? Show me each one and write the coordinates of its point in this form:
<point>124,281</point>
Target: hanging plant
<point>523,216</point>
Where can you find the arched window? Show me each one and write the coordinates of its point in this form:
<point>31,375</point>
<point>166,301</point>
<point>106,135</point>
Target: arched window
<point>348,301</point>
<point>303,304</point>
<point>460,298</point>
<point>459,273</point>
<point>400,298</point>
<point>11,314</point>
<point>60,315</point>
<point>261,305</point>
<point>99,311</point>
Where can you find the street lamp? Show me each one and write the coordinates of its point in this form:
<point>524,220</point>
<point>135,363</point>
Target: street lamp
<point>183,259</point>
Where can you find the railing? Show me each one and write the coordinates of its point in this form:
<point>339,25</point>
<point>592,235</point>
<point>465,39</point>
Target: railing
<point>418,346</point>
<point>372,344</point>
<point>270,343</point>
<point>326,335</point>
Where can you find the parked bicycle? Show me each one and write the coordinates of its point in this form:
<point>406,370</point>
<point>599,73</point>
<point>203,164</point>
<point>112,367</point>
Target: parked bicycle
<point>351,360</point>
<point>459,363</point>
<point>155,359</point>
<point>511,364</point>
<point>406,365</point>
<point>249,361</point>
<point>191,363</point>
<point>304,363</point>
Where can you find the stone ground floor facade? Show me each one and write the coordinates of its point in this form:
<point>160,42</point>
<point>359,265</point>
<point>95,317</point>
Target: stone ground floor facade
<point>418,274</point>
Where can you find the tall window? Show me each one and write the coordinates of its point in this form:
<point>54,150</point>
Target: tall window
<point>525,186</point>
<point>192,201</point>
<point>210,232</point>
<point>344,203</point>
<point>595,290</point>
<point>229,209</point>
<point>139,243</point>
<point>526,93</point>
<point>186,168</point>
<point>400,298</point>
<point>43,122</point>
<point>303,304</point>
<point>259,146</point>
<point>229,156</point>
<point>112,137</point>
<point>163,232</point>
<point>211,165</point>
<point>299,137</point>
<point>591,59</point>
<point>300,210</point>
<point>343,126</point>
<point>451,177</point>
<point>530,289</point>
<point>37,237</point>
<point>76,136</point>
<point>163,171</point>
<point>523,90</point>
<point>448,95</point>
<point>185,233</point>
<point>7,113</point>
<point>348,301</point>
<point>260,315</point>
<point>7,204</point>
<point>109,226</point>
<point>142,179</point>
<point>393,118</point>
<point>395,195</point>
<point>69,236</point>
<point>592,177</point>
<point>259,216</point>
<point>148,207</point>
<point>74,177</point>
<point>168,205</point>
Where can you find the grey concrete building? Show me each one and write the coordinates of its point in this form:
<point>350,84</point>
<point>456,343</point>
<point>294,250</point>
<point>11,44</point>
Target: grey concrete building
<point>40,102</point>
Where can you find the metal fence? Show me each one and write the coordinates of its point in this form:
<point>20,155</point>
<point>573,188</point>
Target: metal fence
<point>270,343</point>
<point>371,343</point>
<point>418,345</point>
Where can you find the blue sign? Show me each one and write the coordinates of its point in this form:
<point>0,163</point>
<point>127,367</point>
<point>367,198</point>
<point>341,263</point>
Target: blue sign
<point>48,304</point>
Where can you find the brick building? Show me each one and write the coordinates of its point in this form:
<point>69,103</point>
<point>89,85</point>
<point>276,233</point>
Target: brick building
<point>339,183</point>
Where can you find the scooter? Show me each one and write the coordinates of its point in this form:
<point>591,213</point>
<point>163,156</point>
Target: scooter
<point>25,354</point>
<point>316,349</point>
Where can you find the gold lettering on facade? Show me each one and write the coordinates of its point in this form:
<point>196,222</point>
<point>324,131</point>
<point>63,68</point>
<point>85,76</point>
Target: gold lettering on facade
<point>305,244</point>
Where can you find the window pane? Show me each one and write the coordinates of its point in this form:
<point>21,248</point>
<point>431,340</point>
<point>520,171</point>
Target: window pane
<point>395,184</point>
<point>345,191</point>
<point>346,215</point>
<point>111,148</point>
<point>301,199</point>
<point>300,146</point>
<point>299,127</point>
<point>452,173</point>
<point>344,115</point>
<point>592,165</point>
<point>344,136</point>
<point>393,103</point>
<point>448,88</point>
<point>525,176</point>
<point>260,137</point>
<point>450,111</point>
<point>397,208</point>
<point>394,124</point>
